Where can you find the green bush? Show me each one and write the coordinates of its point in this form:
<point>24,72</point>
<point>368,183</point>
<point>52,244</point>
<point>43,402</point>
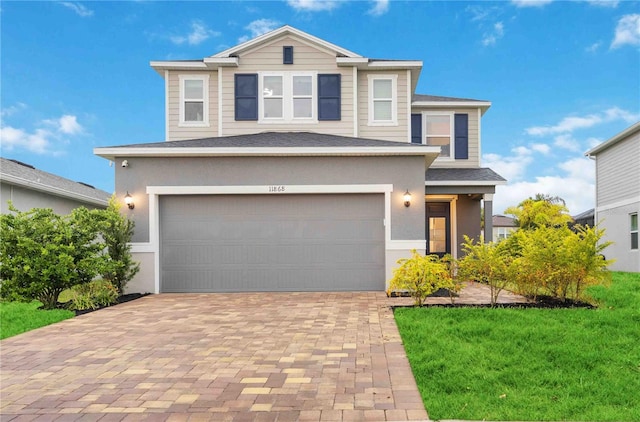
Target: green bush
<point>487,263</point>
<point>117,233</point>
<point>421,275</point>
<point>42,254</point>
<point>93,295</point>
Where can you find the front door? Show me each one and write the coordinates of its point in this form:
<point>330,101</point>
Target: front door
<point>438,228</point>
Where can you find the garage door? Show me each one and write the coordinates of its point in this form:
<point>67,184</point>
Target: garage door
<point>235,243</point>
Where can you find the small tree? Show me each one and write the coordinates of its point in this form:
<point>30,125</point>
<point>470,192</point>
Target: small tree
<point>545,211</point>
<point>421,275</point>
<point>42,254</point>
<point>117,233</point>
<point>487,263</point>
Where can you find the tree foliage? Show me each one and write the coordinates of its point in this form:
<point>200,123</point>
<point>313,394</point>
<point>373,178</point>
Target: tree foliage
<point>533,213</point>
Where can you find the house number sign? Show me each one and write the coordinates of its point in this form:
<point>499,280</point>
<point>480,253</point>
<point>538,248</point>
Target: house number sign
<point>276,189</point>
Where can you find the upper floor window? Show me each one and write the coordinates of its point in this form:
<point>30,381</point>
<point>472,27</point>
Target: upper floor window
<point>194,100</point>
<point>439,131</point>
<point>633,219</point>
<point>383,100</point>
<point>287,97</point>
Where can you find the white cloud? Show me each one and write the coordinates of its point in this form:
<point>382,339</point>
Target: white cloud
<point>530,3</point>
<point>38,142</point>
<point>479,13</point>
<point>592,142</point>
<point>313,5</point>
<point>593,47</point>
<point>379,8</point>
<point>199,33</point>
<point>566,141</point>
<point>42,140</point>
<point>627,31</point>
<point>576,185</point>
<point>541,148</point>
<point>262,26</point>
<point>512,167</point>
<point>11,110</point>
<point>572,123</point>
<point>497,32</point>
<point>604,3</point>
<point>80,9</point>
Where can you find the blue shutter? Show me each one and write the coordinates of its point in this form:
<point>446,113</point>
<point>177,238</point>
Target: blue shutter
<point>246,94</point>
<point>416,128</point>
<point>329,99</point>
<point>287,54</point>
<point>461,136</point>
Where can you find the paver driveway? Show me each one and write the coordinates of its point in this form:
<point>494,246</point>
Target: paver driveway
<point>262,357</point>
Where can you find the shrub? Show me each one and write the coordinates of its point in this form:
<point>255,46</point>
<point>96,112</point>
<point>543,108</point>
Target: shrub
<point>487,263</point>
<point>93,295</point>
<point>117,233</point>
<point>421,275</point>
<point>42,254</point>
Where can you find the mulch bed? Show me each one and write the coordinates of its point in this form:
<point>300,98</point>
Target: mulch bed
<point>122,299</point>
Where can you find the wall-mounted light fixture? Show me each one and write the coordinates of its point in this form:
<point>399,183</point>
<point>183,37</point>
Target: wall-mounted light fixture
<point>407,198</point>
<point>128,199</point>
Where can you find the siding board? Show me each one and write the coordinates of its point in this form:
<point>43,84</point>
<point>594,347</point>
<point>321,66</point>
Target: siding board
<point>618,170</point>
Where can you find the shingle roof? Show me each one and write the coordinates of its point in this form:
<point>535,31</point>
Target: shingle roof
<point>275,140</point>
<point>437,98</point>
<point>463,175</point>
<point>502,221</point>
<point>586,214</point>
<point>21,174</point>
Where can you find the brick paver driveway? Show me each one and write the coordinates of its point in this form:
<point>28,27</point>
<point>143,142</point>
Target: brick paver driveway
<point>245,357</point>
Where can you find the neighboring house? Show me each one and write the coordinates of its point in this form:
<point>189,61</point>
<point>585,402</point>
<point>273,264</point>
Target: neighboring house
<point>586,218</point>
<point>27,187</point>
<point>503,227</point>
<point>293,164</point>
<point>618,196</point>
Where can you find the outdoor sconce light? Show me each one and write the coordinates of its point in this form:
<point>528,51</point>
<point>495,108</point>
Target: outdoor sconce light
<point>128,199</point>
<point>407,198</point>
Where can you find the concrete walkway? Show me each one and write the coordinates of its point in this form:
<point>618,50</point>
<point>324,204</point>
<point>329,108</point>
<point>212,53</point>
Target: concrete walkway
<point>192,357</point>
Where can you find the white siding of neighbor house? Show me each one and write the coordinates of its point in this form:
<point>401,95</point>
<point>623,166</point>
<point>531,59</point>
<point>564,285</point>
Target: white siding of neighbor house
<point>176,132</point>
<point>398,132</point>
<point>474,137</point>
<point>268,58</point>
<point>618,172</point>
<point>617,229</point>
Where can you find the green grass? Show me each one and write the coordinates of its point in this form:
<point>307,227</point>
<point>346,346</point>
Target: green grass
<point>18,317</point>
<point>530,364</point>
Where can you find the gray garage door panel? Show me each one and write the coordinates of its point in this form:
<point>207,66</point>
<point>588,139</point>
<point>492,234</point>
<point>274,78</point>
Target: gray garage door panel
<point>231,243</point>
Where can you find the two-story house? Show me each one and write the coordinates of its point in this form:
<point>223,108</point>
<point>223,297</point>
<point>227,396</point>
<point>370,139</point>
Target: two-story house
<point>293,164</point>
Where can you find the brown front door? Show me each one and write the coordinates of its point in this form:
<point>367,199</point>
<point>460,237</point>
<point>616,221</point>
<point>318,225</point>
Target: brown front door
<point>438,228</point>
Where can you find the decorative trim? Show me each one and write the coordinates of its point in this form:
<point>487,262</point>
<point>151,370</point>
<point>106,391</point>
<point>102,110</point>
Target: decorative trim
<point>409,85</point>
<point>464,182</point>
<point>479,137</point>
<point>619,204</point>
<point>219,101</point>
<point>166,105</point>
<point>356,104</point>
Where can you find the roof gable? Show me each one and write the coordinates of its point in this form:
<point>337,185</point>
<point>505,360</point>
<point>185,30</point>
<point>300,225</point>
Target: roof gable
<point>277,33</point>
<point>627,133</point>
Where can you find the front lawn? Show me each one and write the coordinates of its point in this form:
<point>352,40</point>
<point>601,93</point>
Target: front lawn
<point>530,364</point>
<point>18,317</point>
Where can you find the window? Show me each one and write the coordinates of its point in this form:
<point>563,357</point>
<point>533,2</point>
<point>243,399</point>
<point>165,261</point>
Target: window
<point>383,100</point>
<point>329,97</point>
<point>194,100</point>
<point>503,232</point>
<point>438,131</point>
<point>633,219</point>
<point>246,86</point>
<point>287,97</point>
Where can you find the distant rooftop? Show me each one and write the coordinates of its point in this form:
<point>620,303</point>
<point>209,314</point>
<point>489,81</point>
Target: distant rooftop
<point>438,98</point>
<point>17,173</point>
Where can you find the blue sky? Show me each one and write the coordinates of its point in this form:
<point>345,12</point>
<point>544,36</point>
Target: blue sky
<point>562,75</point>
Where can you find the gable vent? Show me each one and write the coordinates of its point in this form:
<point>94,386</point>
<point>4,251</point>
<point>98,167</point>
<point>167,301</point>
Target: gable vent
<point>287,54</point>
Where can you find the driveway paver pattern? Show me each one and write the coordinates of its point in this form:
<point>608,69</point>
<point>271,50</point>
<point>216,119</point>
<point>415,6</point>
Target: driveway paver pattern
<point>220,357</point>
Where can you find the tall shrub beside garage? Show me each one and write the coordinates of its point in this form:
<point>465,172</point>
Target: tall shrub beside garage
<point>117,232</point>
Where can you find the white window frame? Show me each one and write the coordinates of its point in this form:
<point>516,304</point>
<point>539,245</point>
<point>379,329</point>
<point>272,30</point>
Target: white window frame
<point>205,100</point>
<point>632,231</point>
<point>451,135</point>
<point>287,98</point>
<point>394,100</point>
